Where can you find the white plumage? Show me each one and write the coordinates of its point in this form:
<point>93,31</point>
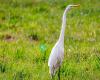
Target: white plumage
<point>57,53</point>
<point>56,57</point>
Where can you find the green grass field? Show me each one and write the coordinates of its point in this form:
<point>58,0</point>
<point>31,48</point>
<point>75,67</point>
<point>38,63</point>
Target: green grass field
<point>30,28</point>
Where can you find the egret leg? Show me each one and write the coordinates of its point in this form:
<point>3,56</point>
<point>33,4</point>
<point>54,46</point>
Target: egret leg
<point>59,74</point>
<point>52,77</point>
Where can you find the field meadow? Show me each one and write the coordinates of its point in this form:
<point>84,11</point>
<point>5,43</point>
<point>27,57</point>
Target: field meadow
<point>30,28</point>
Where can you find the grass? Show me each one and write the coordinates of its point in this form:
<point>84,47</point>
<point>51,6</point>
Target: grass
<point>29,29</point>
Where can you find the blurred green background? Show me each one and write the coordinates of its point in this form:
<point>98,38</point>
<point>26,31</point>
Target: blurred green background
<point>30,28</point>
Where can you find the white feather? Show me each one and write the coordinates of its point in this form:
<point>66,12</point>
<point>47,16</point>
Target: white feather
<point>57,53</point>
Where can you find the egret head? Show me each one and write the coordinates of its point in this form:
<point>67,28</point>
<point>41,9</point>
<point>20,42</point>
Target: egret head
<point>72,6</point>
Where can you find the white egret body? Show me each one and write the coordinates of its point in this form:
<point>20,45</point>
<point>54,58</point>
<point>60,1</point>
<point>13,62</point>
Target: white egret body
<point>57,53</point>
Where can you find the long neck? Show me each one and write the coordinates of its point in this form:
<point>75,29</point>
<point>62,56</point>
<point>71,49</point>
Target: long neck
<point>61,37</point>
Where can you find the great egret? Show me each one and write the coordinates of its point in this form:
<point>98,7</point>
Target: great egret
<point>57,53</point>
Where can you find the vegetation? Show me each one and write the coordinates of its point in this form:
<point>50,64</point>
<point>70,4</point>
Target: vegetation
<point>30,28</point>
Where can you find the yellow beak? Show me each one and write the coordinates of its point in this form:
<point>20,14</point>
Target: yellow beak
<point>77,5</point>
